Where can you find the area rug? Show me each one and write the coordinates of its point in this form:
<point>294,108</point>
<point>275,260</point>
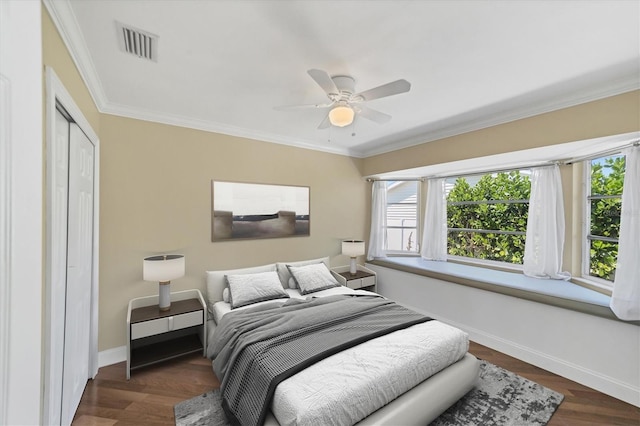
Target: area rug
<point>500,398</point>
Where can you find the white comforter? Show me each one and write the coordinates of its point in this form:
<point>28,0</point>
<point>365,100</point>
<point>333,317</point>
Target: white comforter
<point>345,388</point>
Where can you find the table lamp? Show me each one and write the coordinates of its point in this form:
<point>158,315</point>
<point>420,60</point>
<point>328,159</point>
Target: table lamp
<point>163,269</point>
<point>353,249</point>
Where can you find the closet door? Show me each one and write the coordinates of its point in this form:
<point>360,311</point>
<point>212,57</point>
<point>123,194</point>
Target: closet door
<point>58,276</point>
<point>79,272</point>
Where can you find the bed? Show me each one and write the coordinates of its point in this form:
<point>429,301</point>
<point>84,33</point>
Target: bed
<point>406,372</point>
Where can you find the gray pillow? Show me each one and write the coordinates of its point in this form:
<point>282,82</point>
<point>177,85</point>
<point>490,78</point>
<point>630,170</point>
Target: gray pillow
<point>246,289</point>
<point>315,277</point>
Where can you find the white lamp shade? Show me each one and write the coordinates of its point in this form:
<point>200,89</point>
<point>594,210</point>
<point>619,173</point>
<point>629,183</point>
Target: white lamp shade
<point>163,268</point>
<point>341,116</point>
<point>353,248</point>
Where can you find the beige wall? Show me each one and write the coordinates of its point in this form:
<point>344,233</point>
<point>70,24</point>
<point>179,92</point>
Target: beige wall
<point>156,198</point>
<point>605,117</point>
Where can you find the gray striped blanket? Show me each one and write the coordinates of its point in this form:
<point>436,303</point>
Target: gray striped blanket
<point>258,348</point>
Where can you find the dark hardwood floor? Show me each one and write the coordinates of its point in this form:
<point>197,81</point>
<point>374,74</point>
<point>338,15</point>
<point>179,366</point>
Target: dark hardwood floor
<point>148,398</point>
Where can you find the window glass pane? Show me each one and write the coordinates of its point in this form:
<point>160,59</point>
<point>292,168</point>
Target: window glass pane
<point>602,259</point>
<point>402,216</point>
<point>496,204</point>
<point>604,208</point>
<point>607,175</point>
<point>605,217</point>
<point>499,216</point>
<point>498,247</point>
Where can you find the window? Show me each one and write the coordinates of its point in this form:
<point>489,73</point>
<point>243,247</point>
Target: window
<point>605,177</point>
<point>487,215</point>
<point>402,217</point>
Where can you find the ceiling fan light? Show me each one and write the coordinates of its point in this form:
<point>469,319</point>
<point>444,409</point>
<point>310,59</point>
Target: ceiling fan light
<point>341,116</point>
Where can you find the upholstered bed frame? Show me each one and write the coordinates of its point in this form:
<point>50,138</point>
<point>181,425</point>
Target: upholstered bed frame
<point>418,406</point>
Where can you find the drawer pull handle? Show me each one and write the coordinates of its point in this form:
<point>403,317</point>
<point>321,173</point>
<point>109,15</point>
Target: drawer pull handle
<point>170,323</point>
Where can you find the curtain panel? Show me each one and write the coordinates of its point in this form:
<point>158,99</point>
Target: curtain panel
<point>625,300</point>
<point>378,235</point>
<point>434,236</point>
<point>544,240</point>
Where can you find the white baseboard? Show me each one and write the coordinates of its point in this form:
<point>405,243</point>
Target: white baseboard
<point>602,383</point>
<point>112,356</point>
<point>586,377</point>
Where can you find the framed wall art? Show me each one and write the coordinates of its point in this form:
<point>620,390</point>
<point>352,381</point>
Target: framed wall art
<point>255,210</point>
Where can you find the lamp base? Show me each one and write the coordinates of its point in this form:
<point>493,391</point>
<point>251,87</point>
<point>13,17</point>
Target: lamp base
<point>352,266</point>
<point>164,296</point>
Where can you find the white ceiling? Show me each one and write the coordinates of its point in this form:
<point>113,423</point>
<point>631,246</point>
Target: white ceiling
<point>223,65</point>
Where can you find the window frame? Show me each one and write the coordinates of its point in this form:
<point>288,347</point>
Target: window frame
<point>490,263</point>
<point>585,243</point>
<point>419,220</point>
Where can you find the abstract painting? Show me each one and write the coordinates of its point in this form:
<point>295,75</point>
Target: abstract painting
<point>255,210</point>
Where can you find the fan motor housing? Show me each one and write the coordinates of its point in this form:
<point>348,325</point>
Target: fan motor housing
<point>344,83</point>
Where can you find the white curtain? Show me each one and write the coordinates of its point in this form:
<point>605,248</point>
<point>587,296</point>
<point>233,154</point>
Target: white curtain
<point>434,236</point>
<point>378,237</point>
<point>545,225</point>
<point>625,300</point>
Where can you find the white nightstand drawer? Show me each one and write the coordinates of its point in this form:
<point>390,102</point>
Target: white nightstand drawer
<point>361,282</point>
<point>363,278</point>
<point>355,284</point>
<point>163,325</point>
<point>368,281</point>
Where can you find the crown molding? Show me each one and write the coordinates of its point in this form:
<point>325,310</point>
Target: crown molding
<point>213,127</point>
<point>498,114</point>
<point>503,113</point>
<point>66,23</point>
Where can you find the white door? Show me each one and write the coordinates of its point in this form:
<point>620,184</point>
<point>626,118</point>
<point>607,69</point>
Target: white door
<point>58,276</point>
<point>79,272</point>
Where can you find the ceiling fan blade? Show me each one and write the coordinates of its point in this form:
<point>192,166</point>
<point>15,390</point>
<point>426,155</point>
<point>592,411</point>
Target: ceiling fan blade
<point>325,123</point>
<point>373,115</point>
<point>308,106</point>
<point>389,89</point>
<point>324,80</point>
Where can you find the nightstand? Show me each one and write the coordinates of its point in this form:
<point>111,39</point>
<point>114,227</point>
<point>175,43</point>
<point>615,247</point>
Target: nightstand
<point>364,278</point>
<point>154,336</point>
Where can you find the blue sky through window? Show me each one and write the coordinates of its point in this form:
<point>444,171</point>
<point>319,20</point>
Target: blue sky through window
<point>606,170</point>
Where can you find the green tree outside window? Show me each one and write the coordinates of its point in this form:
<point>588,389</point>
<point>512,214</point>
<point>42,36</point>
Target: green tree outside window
<point>496,202</point>
<point>605,204</point>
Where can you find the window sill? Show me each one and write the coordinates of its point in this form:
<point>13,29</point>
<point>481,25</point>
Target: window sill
<point>489,264</point>
<point>592,285</point>
<point>558,293</point>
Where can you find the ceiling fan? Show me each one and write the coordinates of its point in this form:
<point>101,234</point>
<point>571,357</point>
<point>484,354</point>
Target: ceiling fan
<point>345,103</point>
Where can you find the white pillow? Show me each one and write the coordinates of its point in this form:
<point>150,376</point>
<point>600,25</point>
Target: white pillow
<point>225,294</point>
<point>285,275</point>
<point>246,289</point>
<point>315,277</point>
<point>217,281</point>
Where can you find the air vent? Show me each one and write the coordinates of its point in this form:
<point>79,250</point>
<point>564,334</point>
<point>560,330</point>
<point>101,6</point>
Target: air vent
<point>137,42</point>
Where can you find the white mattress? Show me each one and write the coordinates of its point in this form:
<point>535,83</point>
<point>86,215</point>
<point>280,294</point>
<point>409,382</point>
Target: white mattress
<point>347,387</point>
